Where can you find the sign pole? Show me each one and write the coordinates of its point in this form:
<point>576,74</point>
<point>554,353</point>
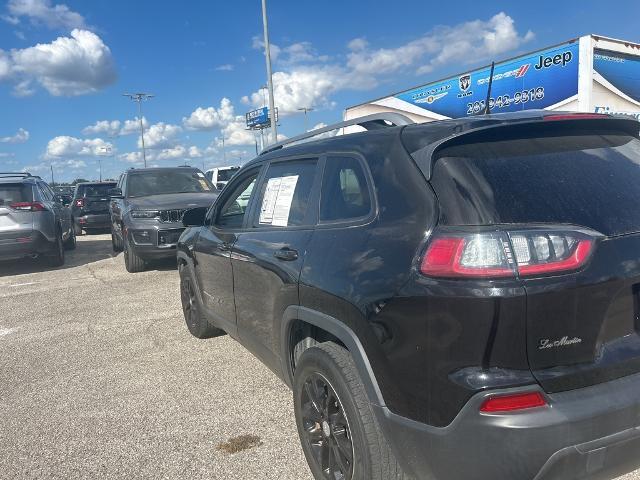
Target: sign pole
<point>267,54</point>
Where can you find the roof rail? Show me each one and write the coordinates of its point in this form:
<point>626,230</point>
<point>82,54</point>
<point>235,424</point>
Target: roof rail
<point>15,174</point>
<point>369,122</point>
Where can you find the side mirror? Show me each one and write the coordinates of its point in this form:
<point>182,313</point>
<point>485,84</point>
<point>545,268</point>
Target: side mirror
<point>194,217</point>
<point>115,193</point>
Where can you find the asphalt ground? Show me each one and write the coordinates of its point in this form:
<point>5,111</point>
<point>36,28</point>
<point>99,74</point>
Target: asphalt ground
<point>99,378</point>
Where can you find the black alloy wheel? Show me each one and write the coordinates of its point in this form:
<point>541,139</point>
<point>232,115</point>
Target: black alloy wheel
<point>327,429</point>
<point>189,303</point>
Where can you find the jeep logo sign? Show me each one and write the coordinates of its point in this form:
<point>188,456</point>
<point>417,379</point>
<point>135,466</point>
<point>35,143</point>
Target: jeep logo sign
<point>559,59</point>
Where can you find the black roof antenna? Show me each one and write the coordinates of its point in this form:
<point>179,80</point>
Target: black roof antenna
<point>487,110</point>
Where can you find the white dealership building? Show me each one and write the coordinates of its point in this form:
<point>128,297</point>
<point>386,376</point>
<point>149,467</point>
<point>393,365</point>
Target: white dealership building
<point>587,74</point>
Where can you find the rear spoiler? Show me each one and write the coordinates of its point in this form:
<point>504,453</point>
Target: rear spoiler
<point>488,127</point>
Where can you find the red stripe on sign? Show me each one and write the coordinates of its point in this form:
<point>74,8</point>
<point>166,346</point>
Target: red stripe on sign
<point>523,70</point>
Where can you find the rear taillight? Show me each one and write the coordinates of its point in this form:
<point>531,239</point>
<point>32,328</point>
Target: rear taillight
<point>79,202</point>
<point>507,253</point>
<point>513,402</point>
<point>28,206</point>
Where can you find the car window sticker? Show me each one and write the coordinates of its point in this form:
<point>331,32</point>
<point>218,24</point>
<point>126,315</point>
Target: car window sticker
<point>277,200</point>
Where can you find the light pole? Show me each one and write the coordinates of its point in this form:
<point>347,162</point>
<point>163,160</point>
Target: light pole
<point>139,97</point>
<point>305,110</point>
<point>267,56</point>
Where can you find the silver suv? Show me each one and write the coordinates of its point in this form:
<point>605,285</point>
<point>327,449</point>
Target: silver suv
<point>34,221</point>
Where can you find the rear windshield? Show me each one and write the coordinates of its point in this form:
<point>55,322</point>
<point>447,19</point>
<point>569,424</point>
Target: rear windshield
<point>165,182</point>
<point>585,179</point>
<point>101,190</point>
<point>14,192</point>
<point>225,175</point>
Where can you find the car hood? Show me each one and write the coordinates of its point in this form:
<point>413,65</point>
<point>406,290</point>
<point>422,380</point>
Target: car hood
<point>172,201</point>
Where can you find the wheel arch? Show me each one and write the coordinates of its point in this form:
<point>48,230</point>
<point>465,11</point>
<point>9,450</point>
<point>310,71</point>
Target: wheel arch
<point>334,327</point>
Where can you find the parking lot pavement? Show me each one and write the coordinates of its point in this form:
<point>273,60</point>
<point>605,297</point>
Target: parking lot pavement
<point>100,379</point>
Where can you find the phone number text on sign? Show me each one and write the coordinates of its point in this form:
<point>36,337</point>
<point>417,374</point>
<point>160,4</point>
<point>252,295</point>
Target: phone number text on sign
<point>504,101</point>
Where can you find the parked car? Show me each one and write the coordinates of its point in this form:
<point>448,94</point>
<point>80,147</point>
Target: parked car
<point>220,176</point>
<point>90,206</point>
<point>450,300</point>
<point>146,211</point>
<point>34,221</point>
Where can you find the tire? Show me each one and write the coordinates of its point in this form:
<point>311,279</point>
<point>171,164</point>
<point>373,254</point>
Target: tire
<point>344,425</point>
<point>132,261</point>
<point>116,243</point>
<point>70,244</point>
<point>194,317</point>
<point>56,257</point>
<point>76,228</point>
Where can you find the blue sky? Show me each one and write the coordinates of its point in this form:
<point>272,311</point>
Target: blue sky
<point>64,67</point>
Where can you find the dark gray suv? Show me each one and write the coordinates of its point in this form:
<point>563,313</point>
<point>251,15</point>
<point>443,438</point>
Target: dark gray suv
<point>147,207</point>
<point>34,221</point>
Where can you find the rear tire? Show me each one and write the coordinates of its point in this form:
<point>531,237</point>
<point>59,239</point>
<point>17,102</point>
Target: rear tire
<point>339,433</point>
<point>132,261</point>
<point>194,317</point>
<point>70,244</point>
<point>116,242</point>
<point>56,257</point>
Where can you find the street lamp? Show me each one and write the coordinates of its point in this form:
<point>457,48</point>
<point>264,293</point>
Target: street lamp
<point>305,110</point>
<point>139,97</point>
<point>267,55</point>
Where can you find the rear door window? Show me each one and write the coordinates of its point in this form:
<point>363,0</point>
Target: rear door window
<point>97,190</point>
<point>582,178</point>
<point>344,194</point>
<point>285,193</point>
<point>14,193</point>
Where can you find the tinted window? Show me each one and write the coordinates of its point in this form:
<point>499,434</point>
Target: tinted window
<point>225,175</point>
<point>231,214</point>
<point>95,190</point>
<point>47,194</point>
<point>168,181</point>
<point>344,192</point>
<point>14,192</point>
<point>583,179</point>
<point>285,191</point>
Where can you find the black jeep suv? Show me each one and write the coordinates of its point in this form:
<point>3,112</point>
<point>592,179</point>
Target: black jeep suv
<point>90,206</point>
<point>452,300</point>
<point>147,207</point>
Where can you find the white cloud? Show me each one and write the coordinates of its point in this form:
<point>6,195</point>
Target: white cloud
<point>21,136</point>
<point>210,118</point>
<point>68,66</point>
<point>308,80</point>
<point>71,147</point>
<point>160,135</point>
<point>41,12</point>
<point>227,67</point>
<point>7,155</point>
<point>115,128</point>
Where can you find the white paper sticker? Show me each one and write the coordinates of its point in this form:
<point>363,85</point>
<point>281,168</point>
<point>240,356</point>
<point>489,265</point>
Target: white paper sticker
<point>277,200</point>
<point>269,200</point>
<point>200,174</point>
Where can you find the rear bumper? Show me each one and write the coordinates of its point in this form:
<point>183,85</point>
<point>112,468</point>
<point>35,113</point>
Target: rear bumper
<point>590,433</point>
<point>23,245</point>
<point>94,220</point>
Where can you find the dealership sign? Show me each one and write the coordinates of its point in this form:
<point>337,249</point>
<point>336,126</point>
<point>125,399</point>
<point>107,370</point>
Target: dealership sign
<point>537,80</point>
<point>258,118</point>
<point>620,70</point>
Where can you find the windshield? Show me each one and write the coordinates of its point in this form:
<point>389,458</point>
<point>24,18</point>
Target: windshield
<point>13,193</point>
<point>227,174</point>
<point>96,190</point>
<point>165,182</point>
<point>580,179</point>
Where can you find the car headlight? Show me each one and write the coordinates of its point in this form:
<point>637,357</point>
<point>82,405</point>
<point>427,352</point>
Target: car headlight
<point>145,213</point>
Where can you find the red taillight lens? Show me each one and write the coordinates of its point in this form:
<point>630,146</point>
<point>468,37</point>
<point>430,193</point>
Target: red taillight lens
<point>575,116</point>
<point>480,255</point>
<point>507,253</point>
<point>510,403</point>
<point>80,202</point>
<point>28,206</point>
